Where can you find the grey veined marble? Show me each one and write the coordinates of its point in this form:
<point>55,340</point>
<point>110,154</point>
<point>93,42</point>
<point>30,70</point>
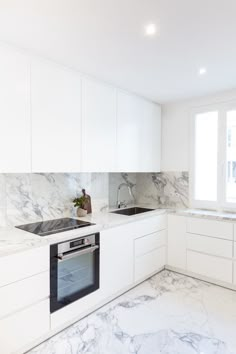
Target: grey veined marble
<point>32,197</point>
<point>167,314</point>
<point>115,179</point>
<point>166,189</point>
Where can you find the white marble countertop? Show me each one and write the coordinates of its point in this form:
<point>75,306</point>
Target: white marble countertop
<point>14,240</point>
<point>208,214</point>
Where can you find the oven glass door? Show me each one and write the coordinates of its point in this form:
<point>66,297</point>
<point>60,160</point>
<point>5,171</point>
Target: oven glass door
<point>73,276</point>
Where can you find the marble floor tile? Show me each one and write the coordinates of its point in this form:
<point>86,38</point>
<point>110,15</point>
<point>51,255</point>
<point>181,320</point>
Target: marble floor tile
<point>167,314</point>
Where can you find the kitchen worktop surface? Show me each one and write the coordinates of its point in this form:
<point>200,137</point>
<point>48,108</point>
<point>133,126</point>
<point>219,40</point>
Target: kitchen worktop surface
<point>208,214</point>
<point>14,240</point>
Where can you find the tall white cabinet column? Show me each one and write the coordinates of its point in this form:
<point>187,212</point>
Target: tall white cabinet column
<point>56,118</point>
<point>138,134</point>
<point>15,138</point>
<point>98,126</point>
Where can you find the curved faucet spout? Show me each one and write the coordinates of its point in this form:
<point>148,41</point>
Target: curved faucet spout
<point>119,203</point>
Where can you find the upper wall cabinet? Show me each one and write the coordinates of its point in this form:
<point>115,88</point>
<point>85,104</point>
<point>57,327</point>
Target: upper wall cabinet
<point>56,118</point>
<point>98,126</point>
<point>15,139</point>
<point>138,134</point>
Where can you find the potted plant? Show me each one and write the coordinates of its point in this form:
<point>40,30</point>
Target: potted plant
<point>80,203</point>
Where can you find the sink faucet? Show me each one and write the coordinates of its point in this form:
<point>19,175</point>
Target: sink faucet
<point>119,203</point>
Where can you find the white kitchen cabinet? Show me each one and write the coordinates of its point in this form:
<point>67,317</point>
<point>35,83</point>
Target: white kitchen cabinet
<point>23,265</point>
<point>176,241</point>
<point>116,260</point>
<point>15,134</point>
<point>149,264</point>
<point>214,228</point>
<point>210,245</point>
<point>98,126</point>
<point>149,254</point>
<point>138,134</point>
<point>56,118</point>
<point>148,243</point>
<point>23,293</point>
<point>210,266</point>
<point>20,329</point>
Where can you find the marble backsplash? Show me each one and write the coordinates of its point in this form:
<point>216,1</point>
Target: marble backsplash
<point>33,197</point>
<point>115,180</point>
<point>164,189</point>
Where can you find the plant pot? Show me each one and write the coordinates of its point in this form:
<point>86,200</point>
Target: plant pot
<point>81,212</point>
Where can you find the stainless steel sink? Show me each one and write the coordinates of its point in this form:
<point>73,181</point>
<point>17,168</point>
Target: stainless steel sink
<point>132,211</point>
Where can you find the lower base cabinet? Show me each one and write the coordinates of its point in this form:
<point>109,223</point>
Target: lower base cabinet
<point>116,259</point>
<point>210,266</point>
<point>149,255</point>
<point>24,327</point>
<point>149,263</point>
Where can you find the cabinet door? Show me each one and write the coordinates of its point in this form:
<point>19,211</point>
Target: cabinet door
<point>56,118</point>
<point>98,127</point>
<point>210,266</point>
<point>116,249</point>
<point>149,264</point>
<point>177,241</point>
<point>38,258</point>
<point>213,228</point>
<point>22,328</point>
<point>15,154</point>
<point>150,255</point>
<point>138,134</point>
<point>24,293</point>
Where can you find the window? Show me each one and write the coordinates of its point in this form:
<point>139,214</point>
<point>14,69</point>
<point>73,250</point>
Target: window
<point>213,170</point>
<point>231,157</point>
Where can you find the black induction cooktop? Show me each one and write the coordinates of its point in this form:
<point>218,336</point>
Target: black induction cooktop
<point>50,227</point>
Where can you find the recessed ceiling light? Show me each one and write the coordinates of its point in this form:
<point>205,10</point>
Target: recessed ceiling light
<point>150,29</point>
<point>202,71</point>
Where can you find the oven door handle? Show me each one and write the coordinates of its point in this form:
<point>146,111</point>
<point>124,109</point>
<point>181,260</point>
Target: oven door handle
<point>63,257</point>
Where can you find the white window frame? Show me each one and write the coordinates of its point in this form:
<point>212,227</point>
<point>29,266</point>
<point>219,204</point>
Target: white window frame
<point>220,203</point>
<point>225,108</point>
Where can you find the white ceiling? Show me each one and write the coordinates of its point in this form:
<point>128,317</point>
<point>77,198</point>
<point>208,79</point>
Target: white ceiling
<point>106,38</point>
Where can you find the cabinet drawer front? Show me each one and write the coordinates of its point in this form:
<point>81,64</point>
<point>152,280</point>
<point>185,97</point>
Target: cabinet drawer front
<point>149,263</point>
<point>23,293</point>
<point>24,327</point>
<point>210,266</point>
<point>23,265</point>
<point>212,228</point>
<point>235,250</point>
<point>210,245</point>
<point>150,225</point>
<point>148,243</point>
<point>142,227</point>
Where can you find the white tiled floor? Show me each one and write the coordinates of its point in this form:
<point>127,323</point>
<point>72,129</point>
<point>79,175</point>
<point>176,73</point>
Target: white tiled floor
<point>167,314</point>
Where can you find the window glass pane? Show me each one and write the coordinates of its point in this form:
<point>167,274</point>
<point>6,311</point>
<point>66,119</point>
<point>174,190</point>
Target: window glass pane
<point>231,157</point>
<point>206,136</point>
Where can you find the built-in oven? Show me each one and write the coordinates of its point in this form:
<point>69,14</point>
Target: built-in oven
<point>74,270</point>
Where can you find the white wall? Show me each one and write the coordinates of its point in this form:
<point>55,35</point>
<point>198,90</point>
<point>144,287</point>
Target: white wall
<point>176,132</point>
